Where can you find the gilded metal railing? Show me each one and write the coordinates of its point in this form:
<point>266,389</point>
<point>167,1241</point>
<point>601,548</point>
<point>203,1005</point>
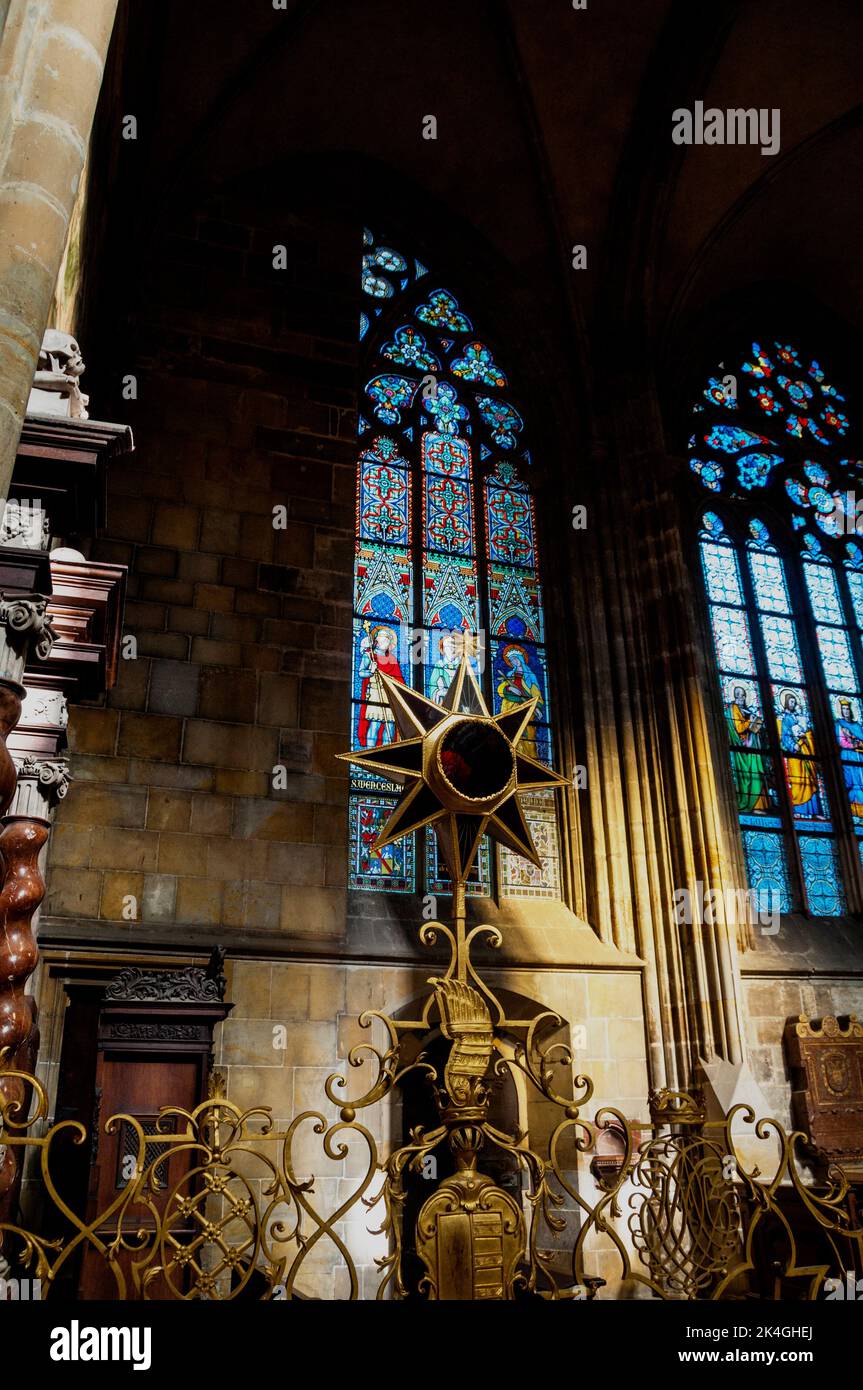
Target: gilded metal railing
<point>218,1203</point>
<point>216,1206</point>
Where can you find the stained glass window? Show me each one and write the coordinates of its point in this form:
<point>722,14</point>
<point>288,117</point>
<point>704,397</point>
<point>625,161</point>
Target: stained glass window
<point>446,559</point>
<point>785,604</point>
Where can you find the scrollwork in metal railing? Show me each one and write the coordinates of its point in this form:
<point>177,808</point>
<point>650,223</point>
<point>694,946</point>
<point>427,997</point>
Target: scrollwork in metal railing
<point>217,1206</point>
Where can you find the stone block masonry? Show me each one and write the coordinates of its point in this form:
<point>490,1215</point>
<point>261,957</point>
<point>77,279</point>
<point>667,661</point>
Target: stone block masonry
<point>246,402</point>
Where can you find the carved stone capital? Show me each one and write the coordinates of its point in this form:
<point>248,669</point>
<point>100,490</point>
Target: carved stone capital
<point>42,783</point>
<point>25,632</point>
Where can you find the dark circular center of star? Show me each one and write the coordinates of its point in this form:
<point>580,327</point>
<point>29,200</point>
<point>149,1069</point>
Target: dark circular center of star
<point>476,759</point>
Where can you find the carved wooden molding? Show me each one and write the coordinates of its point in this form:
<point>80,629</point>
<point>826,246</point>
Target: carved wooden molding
<point>194,984</point>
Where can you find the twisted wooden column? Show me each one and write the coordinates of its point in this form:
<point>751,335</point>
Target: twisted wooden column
<point>26,795</point>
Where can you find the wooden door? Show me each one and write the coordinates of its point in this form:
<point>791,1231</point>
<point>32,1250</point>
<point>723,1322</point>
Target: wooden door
<point>135,1084</point>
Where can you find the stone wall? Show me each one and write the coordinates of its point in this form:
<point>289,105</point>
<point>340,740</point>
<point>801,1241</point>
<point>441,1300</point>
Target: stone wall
<point>770,1002</point>
<point>245,402</point>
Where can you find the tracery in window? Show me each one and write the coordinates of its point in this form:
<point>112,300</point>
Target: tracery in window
<point>784,588</point>
<point>446,559</point>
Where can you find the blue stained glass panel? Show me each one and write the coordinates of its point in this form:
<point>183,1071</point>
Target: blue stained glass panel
<point>761,366</point>
<point>823,592</point>
<point>855,586</point>
<point>717,393</point>
<point>448,515</point>
<point>816,474</point>
<point>391,395</point>
<point>382,583</point>
<point>768,580</point>
<point>731,439</point>
<point>721,573</point>
<point>767,867</point>
<point>835,652</point>
<point>783,654</point>
<point>711,473</point>
<point>753,470</point>
<point>384,502</point>
<point>443,648</point>
<point>766,399</point>
<point>478,365</point>
<point>503,420</point>
<point>515,606</point>
<point>441,311</point>
<point>787,354</point>
<point>509,517</point>
<point>848,724</point>
<point>391,868</point>
<point>410,349</point>
<point>519,673</point>
<point>731,640</point>
<point>821,875</point>
<point>445,408</point>
<point>797,492</point>
<point>799,392</point>
<point>446,454</point>
<point>450,598</point>
<point>379,649</point>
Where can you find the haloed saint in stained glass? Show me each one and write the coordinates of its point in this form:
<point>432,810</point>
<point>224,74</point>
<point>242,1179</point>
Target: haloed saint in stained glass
<point>773,426</point>
<point>747,736</point>
<point>442,480</point>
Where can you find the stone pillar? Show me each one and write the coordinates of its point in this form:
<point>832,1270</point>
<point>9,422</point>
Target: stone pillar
<point>660,820</point>
<point>52,55</point>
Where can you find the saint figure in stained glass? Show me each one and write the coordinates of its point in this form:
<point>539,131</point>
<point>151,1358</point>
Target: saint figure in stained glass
<point>849,732</point>
<point>448,646</point>
<point>795,737</point>
<point>378,653</point>
<point>518,684</point>
<point>745,729</point>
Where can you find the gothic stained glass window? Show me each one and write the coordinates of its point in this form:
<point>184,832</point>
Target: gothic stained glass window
<point>446,559</point>
<point>785,602</point>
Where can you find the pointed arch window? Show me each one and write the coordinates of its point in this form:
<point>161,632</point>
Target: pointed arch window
<point>784,590</point>
<point>446,558</point>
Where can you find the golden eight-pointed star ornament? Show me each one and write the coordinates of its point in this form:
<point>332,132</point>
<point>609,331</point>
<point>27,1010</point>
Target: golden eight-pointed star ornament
<point>460,768</point>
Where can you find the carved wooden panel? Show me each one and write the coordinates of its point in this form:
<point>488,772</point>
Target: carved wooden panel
<point>826,1060</point>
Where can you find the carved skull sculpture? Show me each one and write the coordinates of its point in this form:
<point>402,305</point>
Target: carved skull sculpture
<point>55,385</point>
